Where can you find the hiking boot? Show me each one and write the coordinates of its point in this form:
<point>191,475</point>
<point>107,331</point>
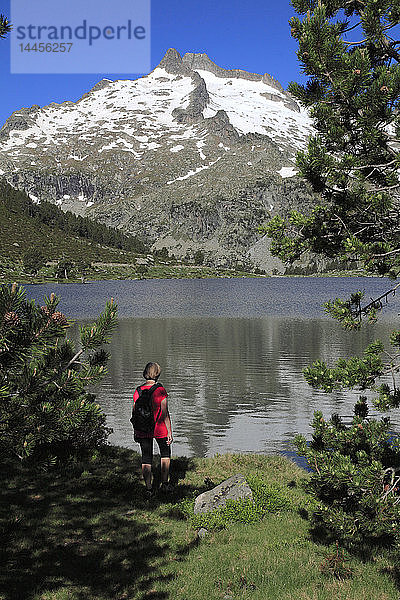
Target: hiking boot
<point>166,488</point>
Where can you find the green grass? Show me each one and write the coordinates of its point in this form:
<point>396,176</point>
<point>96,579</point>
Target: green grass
<point>11,271</point>
<point>267,498</point>
<point>90,533</point>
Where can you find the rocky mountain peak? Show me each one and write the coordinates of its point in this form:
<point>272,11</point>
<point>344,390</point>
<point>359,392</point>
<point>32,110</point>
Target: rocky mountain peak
<point>20,120</point>
<point>195,155</point>
<point>100,85</point>
<point>201,62</point>
<point>192,62</point>
<point>172,63</point>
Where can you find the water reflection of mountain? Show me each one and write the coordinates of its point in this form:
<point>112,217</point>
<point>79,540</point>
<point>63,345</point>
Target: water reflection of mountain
<point>232,353</point>
<point>234,384</point>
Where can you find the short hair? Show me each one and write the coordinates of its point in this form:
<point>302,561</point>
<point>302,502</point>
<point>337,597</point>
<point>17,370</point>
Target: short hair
<point>152,371</point>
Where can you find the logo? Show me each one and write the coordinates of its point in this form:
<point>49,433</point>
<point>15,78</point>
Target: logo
<point>80,37</point>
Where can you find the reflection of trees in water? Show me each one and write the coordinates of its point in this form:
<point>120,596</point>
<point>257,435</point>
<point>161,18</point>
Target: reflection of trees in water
<point>301,344</point>
<point>215,368</point>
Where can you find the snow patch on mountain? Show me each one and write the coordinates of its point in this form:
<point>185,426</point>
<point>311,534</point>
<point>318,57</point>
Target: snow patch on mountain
<point>200,144</point>
<point>287,172</point>
<point>122,106</point>
<point>254,107</point>
<point>191,173</point>
<point>79,158</point>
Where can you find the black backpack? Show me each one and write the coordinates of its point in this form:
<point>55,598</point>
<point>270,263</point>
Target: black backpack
<point>142,411</point>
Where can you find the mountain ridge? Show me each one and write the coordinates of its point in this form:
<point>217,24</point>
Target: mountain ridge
<point>190,138</point>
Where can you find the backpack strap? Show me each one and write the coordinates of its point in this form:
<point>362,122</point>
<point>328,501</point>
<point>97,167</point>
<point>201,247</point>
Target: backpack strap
<point>154,387</point>
<point>151,390</point>
<point>139,391</point>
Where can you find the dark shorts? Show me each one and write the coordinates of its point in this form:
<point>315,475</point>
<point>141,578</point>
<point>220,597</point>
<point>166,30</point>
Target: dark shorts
<point>146,446</point>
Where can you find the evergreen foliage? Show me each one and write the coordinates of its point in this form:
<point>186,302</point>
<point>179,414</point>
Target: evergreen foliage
<point>34,259</point>
<point>5,26</point>
<point>46,411</point>
<point>356,466</point>
<point>198,257</point>
<point>82,227</point>
<point>64,269</point>
<point>349,49</point>
<point>355,479</point>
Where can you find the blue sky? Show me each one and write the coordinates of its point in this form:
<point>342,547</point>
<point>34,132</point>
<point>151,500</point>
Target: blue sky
<point>254,36</point>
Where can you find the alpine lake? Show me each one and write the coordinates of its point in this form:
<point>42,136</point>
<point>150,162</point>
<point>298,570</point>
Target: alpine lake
<point>232,353</point>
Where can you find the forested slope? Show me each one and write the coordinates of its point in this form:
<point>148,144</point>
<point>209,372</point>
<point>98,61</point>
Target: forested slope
<point>25,225</point>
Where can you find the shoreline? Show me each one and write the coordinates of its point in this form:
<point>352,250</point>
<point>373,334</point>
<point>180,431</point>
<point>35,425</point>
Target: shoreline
<point>222,275</point>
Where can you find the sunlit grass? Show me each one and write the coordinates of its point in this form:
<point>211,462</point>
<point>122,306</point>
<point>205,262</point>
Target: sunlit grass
<point>90,533</point>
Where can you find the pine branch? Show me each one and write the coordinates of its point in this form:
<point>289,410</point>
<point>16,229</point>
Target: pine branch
<point>381,166</point>
<point>382,255</point>
<point>45,404</point>
<point>385,189</point>
<point>380,298</point>
<point>73,359</point>
<point>356,43</point>
<point>5,26</point>
<point>351,28</point>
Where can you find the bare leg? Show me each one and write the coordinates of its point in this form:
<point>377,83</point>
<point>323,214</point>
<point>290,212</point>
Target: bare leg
<point>165,462</point>
<point>146,472</point>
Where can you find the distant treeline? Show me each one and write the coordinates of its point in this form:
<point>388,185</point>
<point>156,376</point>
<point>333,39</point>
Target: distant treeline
<point>83,227</point>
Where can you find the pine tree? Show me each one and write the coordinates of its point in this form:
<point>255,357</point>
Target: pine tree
<point>5,26</point>
<point>47,413</point>
<point>33,260</point>
<point>64,268</point>
<point>350,52</point>
<point>347,50</point>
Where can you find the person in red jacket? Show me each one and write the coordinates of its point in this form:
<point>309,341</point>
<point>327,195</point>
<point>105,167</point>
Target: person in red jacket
<point>162,430</point>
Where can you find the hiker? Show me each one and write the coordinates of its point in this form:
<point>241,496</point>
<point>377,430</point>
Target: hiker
<point>150,419</point>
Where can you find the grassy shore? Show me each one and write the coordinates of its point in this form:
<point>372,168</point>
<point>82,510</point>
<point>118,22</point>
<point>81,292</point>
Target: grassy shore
<point>120,271</point>
<point>157,271</point>
<point>90,533</point>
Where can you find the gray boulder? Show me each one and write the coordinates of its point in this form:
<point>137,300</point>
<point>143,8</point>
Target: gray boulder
<point>234,488</point>
<point>202,533</point>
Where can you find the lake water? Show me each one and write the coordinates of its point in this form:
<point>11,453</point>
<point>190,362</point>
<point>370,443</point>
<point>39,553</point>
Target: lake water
<point>232,353</point>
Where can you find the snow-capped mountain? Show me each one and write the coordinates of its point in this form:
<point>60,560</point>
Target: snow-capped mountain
<point>190,156</point>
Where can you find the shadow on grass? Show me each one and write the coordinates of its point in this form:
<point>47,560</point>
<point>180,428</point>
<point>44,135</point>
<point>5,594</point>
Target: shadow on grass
<point>92,532</point>
<point>366,551</point>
